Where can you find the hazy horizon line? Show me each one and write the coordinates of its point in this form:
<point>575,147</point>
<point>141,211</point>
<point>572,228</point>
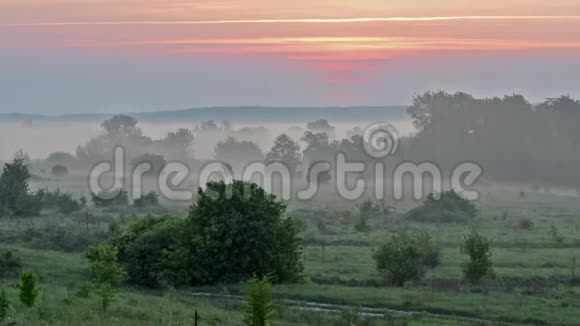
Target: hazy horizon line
<point>59,114</point>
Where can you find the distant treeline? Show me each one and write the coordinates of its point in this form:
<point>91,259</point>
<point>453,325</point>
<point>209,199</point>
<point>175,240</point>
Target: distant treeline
<point>242,114</point>
<point>509,137</point>
<point>514,141</point>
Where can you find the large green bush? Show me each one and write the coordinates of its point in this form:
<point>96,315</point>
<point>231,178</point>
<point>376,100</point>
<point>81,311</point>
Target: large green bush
<point>238,230</point>
<point>233,231</point>
<point>153,252</point>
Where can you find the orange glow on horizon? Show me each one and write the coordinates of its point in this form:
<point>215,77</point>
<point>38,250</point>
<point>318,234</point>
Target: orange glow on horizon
<point>345,40</point>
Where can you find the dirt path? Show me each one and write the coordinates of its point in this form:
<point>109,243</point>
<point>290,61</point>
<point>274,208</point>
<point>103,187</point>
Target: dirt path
<point>363,311</point>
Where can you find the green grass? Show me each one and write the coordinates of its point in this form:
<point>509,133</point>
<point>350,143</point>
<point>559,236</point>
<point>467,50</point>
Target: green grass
<point>531,287</point>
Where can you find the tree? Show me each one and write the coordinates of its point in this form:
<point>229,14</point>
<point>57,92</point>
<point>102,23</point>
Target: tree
<point>104,267</point>
<point>28,289</point>
<point>151,199</point>
<point>318,148</point>
<point>321,126</point>
<point>232,150</point>
<point>287,151</point>
<point>14,190</point>
<point>479,265</point>
<point>4,305</point>
<point>121,125</point>
<point>401,259</point>
<point>179,143</point>
<point>106,272</point>
<point>259,310</point>
<point>156,161</point>
<point>238,230</point>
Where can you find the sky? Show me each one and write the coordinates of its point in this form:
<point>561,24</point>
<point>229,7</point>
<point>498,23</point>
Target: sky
<point>89,56</point>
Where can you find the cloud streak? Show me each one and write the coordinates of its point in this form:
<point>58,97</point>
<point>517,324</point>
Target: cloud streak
<point>293,21</point>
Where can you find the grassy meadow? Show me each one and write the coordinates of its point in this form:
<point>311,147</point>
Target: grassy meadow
<point>535,239</point>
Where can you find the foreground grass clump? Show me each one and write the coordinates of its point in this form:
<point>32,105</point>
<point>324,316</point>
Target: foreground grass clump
<point>106,273</point>
<point>259,310</point>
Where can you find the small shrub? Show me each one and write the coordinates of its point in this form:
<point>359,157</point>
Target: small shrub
<point>68,239</point>
<point>63,202</point>
<point>368,210</point>
<point>114,228</point>
<point>104,267</point>
<point>504,215</point>
<point>479,265</point>
<point>431,251</point>
<point>59,170</point>
<point>84,290</point>
<point>111,198</point>
<point>259,311</point>
<point>67,204</point>
<point>106,294</point>
<point>362,226</point>
<point>149,200</point>
<point>525,224</point>
<point>401,259</point>
<point>106,273</point>
<point>30,233</point>
<point>449,208</point>
<point>9,264</point>
<point>28,289</point>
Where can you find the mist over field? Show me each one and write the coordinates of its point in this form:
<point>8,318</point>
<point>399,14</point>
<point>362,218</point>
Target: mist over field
<point>39,139</point>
